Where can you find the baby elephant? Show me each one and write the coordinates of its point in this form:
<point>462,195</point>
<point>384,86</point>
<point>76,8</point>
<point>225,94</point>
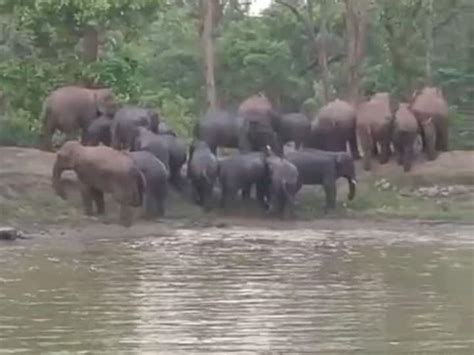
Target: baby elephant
<point>283,179</point>
<point>202,172</point>
<point>404,135</point>
<point>101,170</point>
<point>98,132</point>
<point>156,177</point>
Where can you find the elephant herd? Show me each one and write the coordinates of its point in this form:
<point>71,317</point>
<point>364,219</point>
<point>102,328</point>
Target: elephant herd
<point>129,151</point>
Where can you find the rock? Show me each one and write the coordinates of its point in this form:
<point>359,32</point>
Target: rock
<point>9,233</point>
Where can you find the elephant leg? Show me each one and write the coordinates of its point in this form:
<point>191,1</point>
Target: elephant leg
<point>353,144</point>
<point>330,191</point>
<point>150,205</point>
<point>263,194</point>
<point>246,191</point>
<point>98,197</point>
<point>367,147</point>
<point>384,151</point>
<point>408,157</point>
<point>87,194</point>
<point>442,134</point>
<point>125,215</point>
<point>47,135</point>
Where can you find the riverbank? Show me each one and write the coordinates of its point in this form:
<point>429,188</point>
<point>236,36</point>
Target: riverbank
<point>442,190</point>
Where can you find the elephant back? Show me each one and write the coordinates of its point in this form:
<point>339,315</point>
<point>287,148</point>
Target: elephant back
<point>336,113</point>
<point>429,102</point>
<point>375,111</point>
<point>255,108</point>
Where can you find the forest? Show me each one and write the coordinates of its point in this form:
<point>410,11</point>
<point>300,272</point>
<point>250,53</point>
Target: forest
<point>181,57</point>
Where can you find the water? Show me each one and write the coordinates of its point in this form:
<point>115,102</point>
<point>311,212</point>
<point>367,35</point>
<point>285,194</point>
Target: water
<point>241,291</point>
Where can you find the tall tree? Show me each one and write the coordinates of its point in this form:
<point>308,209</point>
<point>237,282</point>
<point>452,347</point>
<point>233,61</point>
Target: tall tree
<point>209,17</point>
<point>356,18</point>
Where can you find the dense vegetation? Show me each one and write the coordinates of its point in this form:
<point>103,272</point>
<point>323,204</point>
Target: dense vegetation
<point>154,52</point>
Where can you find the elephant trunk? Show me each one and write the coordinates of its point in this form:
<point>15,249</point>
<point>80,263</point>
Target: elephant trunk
<point>352,188</point>
<point>56,179</point>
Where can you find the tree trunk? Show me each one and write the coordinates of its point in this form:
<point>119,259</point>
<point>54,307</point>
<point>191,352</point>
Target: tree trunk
<point>90,44</point>
<point>429,43</point>
<point>322,52</point>
<point>356,30</point>
<point>207,41</point>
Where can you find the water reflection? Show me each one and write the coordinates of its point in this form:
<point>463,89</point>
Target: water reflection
<point>240,291</point>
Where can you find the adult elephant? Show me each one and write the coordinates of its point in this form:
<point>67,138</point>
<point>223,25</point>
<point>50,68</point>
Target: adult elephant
<point>101,170</point>
<point>294,127</point>
<point>177,152</point>
<point>431,111</point>
<point>156,177</point>
<point>146,140</point>
<point>125,125</point>
<point>374,128</point>
<point>218,128</point>
<point>72,108</point>
<point>334,128</point>
<point>316,169</point>
<point>260,126</point>
<point>405,131</point>
<point>240,172</point>
<point>345,168</point>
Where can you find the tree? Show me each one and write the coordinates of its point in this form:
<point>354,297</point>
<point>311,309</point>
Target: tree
<point>209,17</point>
<point>356,17</point>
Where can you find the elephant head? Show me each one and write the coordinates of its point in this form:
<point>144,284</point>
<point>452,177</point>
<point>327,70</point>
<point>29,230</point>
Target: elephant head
<point>105,101</point>
<point>65,160</point>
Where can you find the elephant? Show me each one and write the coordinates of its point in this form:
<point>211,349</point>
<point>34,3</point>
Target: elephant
<point>315,168</point>
<point>431,111</point>
<point>334,128</point>
<point>101,170</point>
<point>345,168</point>
<point>177,152</point>
<point>72,108</point>
<point>151,142</point>
<point>156,178</point>
<point>125,125</point>
<point>374,126</point>
<point>294,127</point>
<point>219,128</point>
<point>240,172</point>
<point>260,126</point>
<point>405,131</point>
<point>283,184</point>
<point>98,132</point>
<point>203,168</point>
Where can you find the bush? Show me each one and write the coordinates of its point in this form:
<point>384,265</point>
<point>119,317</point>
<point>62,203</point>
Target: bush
<point>19,129</point>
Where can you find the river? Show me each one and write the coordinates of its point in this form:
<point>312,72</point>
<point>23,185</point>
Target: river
<point>241,290</point>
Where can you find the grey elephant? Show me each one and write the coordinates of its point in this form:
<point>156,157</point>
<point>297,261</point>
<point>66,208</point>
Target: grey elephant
<point>125,125</point>
<point>345,168</point>
<point>177,152</point>
<point>156,178</point>
<point>260,126</point>
<point>146,140</point>
<point>219,128</point>
<point>334,128</point>
<point>431,111</point>
<point>72,108</point>
<point>203,168</point>
<point>283,183</point>
<point>374,128</point>
<point>294,127</point>
<point>98,132</point>
<point>101,170</point>
<point>240,172</point>
<point>315,168</point>
<point>405,131</point>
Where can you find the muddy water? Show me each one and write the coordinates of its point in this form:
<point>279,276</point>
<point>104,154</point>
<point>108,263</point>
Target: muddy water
<point>240,291</point>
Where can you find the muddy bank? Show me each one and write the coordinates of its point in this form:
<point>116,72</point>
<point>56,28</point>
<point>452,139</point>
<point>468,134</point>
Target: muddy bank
<point>439,190</point>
